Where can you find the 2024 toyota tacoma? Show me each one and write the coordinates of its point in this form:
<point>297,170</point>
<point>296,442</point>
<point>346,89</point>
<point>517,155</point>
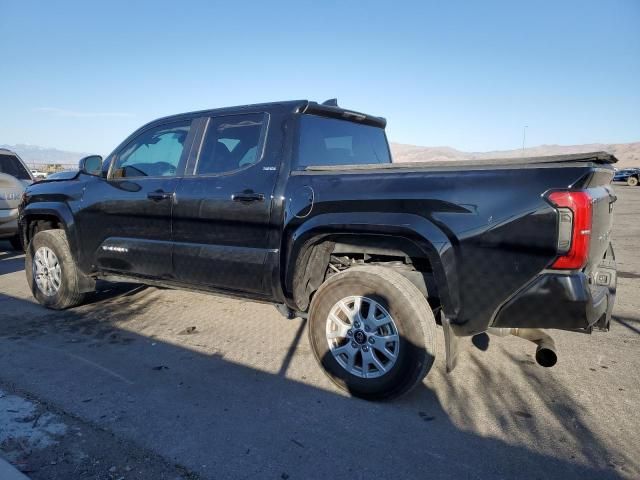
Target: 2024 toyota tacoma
<point>297,203</point>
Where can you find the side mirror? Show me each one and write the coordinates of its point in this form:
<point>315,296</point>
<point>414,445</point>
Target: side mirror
<point>91,165</point>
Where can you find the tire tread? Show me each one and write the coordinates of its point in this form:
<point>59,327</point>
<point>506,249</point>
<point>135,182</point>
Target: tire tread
<point>410,294</point>
<point>71,295</point>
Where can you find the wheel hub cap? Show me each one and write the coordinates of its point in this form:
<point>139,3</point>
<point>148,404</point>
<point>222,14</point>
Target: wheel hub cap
<point>362,337</point>
<point>46,271</point>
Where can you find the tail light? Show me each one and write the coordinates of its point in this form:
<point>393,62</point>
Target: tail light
<point>574,229</point>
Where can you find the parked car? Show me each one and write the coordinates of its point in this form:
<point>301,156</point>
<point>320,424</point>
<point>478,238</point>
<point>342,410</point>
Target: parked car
<point>14,178</point>
<point>298,204</point>
<point>629,175</point>
<point>37,174</point>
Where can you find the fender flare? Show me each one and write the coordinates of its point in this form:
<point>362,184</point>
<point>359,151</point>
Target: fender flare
<point>422,232</point>
<point>52,209</point>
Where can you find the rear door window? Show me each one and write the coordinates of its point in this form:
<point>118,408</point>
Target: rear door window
<point>231,143</point>
<point>10,165</point>
<point>330,141</point>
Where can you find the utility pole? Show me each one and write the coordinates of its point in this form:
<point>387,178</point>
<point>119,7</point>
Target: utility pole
<point>524,135</point>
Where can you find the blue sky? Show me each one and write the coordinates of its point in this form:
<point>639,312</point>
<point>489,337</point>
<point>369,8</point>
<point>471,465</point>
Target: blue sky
<point>467,74</point>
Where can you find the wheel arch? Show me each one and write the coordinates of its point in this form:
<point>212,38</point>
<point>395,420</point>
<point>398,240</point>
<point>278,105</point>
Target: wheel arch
<point>49,216</point>
<point>308,249</point>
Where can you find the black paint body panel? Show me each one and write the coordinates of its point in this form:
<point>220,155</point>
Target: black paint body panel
<point>484,227</point>
<point>556,301</point>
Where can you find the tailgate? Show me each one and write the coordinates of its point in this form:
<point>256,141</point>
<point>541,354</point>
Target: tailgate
<point>603,199</point>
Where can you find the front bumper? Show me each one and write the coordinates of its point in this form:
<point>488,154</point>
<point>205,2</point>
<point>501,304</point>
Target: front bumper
<point>564,301</point>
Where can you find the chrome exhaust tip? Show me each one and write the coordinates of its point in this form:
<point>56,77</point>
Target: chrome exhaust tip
<point>546,354</point>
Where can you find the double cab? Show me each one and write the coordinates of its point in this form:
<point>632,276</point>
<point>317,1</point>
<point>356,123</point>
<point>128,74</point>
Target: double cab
<point>299,204</point>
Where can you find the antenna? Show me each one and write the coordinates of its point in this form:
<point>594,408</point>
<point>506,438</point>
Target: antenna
<point>332,102</point>
<point>524,135</point>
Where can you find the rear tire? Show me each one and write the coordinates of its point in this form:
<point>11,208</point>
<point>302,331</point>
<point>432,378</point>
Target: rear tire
<point>16,244</point>
<point>348,360</point>
<point>64,291</point>
<point>632,181</point>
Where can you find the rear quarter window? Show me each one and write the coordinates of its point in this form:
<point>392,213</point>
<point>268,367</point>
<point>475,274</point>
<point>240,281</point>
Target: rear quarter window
<point>330,141</point>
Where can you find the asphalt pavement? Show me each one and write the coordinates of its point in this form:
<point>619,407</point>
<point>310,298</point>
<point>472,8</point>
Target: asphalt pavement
<point>173,384</point>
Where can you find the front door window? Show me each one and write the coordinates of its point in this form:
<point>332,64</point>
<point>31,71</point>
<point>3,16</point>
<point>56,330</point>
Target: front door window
<point>154,153</point>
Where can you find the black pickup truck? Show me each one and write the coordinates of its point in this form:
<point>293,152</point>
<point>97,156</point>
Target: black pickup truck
<point>299,204</point>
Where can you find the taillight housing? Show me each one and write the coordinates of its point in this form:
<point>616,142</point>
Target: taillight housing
<point>574,228</point>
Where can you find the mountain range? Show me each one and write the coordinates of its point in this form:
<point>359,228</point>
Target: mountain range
<point>628,154</point>
<point>35,156</point>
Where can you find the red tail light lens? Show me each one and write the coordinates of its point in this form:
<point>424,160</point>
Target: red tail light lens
<point>574,232</point>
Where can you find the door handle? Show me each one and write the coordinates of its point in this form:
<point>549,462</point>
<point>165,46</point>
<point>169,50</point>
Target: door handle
<point>247,197</point>
<point>159,195</point>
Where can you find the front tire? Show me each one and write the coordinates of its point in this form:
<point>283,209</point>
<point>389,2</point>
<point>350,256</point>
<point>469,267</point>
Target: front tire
<point>51,271</point>
<point>373,332</point>
<point>632,181</point>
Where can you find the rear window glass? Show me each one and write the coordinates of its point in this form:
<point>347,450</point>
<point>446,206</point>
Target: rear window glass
<point>329,141</point>
<point>10,165</point>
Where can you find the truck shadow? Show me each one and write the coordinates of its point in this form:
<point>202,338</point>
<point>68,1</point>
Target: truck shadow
<point>224,419</point>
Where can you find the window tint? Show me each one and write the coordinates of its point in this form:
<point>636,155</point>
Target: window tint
<point>329,141</point>
<point>154,153</point>
<point>231,143</point>
<point>10,165</point>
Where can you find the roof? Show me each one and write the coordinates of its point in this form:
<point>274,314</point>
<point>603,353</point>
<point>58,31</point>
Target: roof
<point>292,106</point>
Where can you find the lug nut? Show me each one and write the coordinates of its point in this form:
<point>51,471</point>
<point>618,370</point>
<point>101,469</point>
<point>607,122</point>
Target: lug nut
<point>349,333</point>
<point>372,340</point>
<point>365,348</point>
<point>354,344</point>
<point>356,324</point>
<point>366,328</point>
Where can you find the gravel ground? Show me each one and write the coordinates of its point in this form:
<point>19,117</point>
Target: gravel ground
<point>145,383</point>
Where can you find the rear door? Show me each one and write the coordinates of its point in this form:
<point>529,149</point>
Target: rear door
<point>125,221</point>
<point>221,216</point>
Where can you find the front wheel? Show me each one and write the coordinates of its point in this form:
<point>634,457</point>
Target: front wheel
<point>373,332</point>
<point>51,271</point>
<point>632,181</point>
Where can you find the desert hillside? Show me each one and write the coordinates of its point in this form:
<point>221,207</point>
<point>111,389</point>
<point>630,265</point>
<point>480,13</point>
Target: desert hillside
<point>628,154</point>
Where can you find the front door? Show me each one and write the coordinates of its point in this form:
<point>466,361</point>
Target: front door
<point>126,220</point>
<point>221,216</point>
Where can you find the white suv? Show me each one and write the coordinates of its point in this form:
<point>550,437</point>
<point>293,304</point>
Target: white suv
<point>14,178</point>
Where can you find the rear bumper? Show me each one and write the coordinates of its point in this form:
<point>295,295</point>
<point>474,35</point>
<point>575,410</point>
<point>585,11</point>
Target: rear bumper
<point>563,301</point>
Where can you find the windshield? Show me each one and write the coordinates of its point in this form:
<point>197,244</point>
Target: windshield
<point>10,165</point>
<point>329,141</point>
